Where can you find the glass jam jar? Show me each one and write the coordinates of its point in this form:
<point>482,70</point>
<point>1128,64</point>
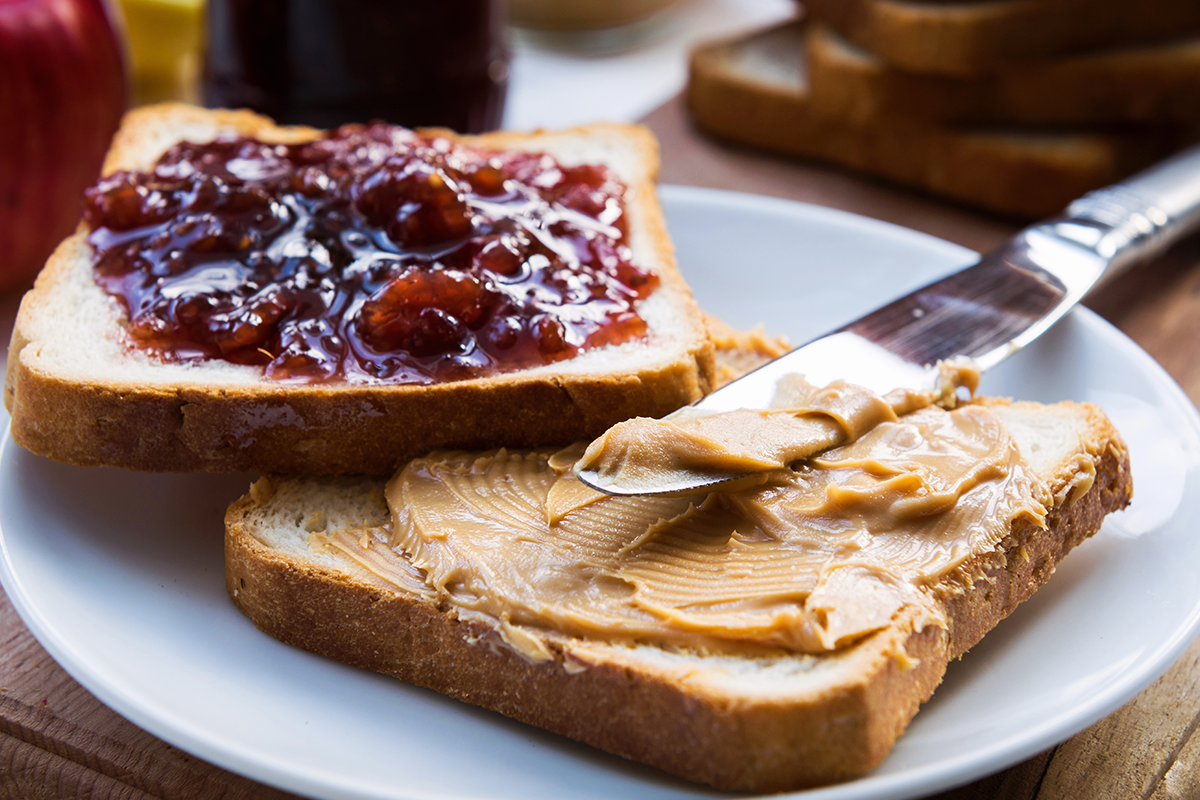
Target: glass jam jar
<point>329,62</point>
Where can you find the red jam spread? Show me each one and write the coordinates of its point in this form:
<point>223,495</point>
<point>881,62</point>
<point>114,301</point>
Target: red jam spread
<point>372,255</point>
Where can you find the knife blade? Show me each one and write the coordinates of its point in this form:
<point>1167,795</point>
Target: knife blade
<point>984,313</point>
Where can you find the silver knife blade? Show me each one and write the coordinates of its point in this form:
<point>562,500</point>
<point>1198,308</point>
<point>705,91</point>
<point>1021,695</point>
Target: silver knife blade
<point>986,312</point>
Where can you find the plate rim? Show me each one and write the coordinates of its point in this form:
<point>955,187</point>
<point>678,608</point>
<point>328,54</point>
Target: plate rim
<point>908,783</point>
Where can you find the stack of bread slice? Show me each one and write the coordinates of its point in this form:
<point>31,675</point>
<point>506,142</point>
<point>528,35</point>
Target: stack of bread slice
<point>1015,106</point>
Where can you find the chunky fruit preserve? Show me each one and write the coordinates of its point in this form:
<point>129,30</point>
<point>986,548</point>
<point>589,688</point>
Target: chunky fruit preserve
<point>373,255</point>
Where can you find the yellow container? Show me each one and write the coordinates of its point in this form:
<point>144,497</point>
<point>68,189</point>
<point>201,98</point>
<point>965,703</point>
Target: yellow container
<point>165,41</point>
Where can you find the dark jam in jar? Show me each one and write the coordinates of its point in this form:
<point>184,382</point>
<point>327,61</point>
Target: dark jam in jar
<point>329,62</point>
<point>373,255</point>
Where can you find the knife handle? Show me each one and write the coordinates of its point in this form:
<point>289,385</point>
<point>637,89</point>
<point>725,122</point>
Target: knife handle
<point>1139,217</point>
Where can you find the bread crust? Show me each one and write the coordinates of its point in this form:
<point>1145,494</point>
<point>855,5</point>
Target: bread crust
<point>816,732</point>
<point>210,424</point>
<point>978,38</point>
<point>1152,83</point>
<point>320,429</point>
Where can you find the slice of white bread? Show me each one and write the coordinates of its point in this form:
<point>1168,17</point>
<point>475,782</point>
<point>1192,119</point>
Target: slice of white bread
<point>1136,83</point>
<point>755,90</point>
<point>762,723</point>
<point>79,393</point>
<point>975,37</point>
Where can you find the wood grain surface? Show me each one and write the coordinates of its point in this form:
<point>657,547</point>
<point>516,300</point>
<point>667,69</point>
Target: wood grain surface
<point>58,741</point>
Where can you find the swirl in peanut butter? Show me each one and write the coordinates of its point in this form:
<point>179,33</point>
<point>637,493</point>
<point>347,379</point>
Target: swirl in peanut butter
<point>825,552</point>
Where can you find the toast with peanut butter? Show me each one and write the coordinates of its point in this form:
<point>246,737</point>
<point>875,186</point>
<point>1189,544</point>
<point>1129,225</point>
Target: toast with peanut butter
<point>770,638</point>
<point>244,296</point>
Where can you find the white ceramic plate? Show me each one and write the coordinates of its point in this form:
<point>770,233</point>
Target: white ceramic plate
<point>119,575</point>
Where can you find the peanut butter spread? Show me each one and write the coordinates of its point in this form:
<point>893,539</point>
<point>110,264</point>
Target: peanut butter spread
<point>826,550</point>
<point>801,422</point>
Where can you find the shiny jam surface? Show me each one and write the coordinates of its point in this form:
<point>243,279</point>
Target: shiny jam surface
<point>373,255</point>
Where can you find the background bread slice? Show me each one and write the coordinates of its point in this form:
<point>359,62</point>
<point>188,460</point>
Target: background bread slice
<point>756,91</point>
<point>1135,83</point>
<point>975,37</point>
<point>753,724</point>
<point>78,394</point>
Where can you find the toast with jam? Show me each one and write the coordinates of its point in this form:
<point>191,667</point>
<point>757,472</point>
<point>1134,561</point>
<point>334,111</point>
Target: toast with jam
<point>244,296</point>
<point>496,579</point>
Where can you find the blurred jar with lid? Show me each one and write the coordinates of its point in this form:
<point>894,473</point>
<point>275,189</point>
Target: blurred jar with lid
<point>329,62</point>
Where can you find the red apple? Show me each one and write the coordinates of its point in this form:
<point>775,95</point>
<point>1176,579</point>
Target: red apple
<point>62,92</point>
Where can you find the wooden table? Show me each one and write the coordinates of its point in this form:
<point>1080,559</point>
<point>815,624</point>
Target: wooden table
<point>58,741</point>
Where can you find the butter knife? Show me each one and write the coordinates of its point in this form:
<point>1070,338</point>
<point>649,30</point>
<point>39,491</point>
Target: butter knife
<point>985,312</point>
